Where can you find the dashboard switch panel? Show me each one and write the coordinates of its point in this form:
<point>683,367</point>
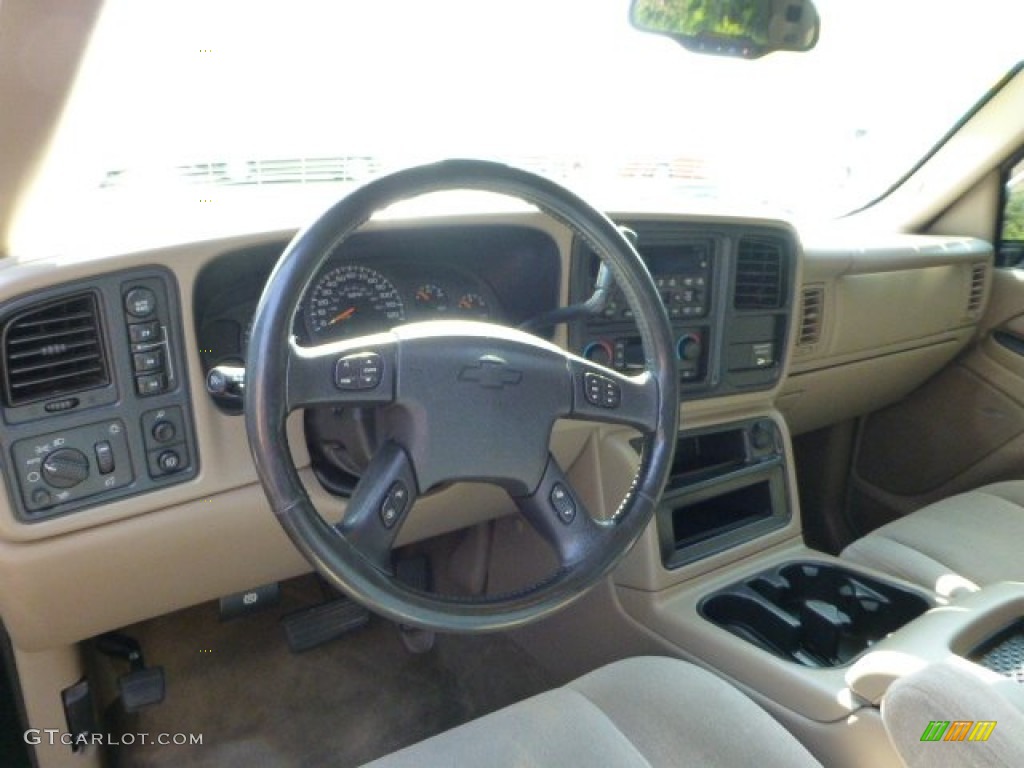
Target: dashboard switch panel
<point>135,435</point>
<point>62,467</point>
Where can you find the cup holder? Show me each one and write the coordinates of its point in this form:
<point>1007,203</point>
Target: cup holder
<point>815,614</point>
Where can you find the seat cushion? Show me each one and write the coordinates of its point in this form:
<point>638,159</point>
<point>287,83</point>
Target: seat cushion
<point>958,544</point>
<point>646,711</point>
<point>952,692</point>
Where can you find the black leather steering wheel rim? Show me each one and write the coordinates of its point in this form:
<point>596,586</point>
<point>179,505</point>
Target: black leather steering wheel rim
<point>280,380</point>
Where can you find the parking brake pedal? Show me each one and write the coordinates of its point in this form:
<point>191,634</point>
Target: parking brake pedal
<point>310,627</point>
<point>142,686</point>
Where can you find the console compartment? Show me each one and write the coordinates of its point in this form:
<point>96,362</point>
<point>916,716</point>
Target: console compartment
<point>727,486</point>
<point>815,614</point>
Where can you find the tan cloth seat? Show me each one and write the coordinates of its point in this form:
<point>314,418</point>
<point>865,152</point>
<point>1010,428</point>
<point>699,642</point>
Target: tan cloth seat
<point>950,692</point>
<point>645,711</point>
<point>960,543</point>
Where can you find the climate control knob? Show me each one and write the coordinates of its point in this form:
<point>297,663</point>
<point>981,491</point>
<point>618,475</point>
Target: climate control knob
<point>65,468</point>
<point>689,347</point>
<point>599,352</point>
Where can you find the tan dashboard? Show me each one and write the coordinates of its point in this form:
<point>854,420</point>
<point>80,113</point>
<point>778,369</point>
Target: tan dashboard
<point>877,317</point>
<point>887,317</point>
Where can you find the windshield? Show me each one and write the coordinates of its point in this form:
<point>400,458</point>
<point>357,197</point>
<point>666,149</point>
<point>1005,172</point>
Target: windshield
<point>187,109</point>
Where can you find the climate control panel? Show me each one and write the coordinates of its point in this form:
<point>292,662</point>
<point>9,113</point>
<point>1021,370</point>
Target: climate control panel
<point>625,353</point>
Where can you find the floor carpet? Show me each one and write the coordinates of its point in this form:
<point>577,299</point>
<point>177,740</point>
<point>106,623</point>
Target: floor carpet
<point>341,704</point>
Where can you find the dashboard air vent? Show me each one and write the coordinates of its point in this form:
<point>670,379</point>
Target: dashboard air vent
<point>977,294</point>
<point>759,274</point>
<point>53,349</point>
<point>812,308</point>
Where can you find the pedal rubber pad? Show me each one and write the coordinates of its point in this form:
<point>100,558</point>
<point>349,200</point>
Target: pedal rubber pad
<point>141,688</point>
<point>320,624</point>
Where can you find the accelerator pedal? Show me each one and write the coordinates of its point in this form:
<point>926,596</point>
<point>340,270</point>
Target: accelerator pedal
<point>415,571</point>
<point>312,627</point>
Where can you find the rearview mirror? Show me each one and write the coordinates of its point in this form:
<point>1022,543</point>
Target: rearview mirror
<point>745,28</point>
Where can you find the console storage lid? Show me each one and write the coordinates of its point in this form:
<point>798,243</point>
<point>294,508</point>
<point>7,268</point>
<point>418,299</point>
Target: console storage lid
<point>954,630</point>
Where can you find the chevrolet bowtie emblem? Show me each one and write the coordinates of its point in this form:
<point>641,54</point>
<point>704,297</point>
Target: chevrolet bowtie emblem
<point>491,373</point>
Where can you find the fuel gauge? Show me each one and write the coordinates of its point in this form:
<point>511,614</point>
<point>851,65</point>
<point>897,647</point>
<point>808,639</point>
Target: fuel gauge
<point>474,305</point>
<point>431,297</point>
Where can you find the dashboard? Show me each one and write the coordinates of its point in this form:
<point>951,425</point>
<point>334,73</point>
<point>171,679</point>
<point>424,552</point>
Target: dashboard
<point>761,324</point>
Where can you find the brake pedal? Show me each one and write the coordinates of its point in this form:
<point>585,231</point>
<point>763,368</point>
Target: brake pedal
<point>312,627</point>
<point>141,686</point>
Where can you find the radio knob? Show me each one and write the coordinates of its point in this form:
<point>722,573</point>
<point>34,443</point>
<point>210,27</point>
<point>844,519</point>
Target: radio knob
<point>688,347</point>
<point>65,468</point>
<point>599,352</point>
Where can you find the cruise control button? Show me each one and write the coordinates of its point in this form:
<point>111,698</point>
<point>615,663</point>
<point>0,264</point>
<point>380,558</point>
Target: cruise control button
<point>396,501</point>
<point>358,372</point>
<point>563,503</point>
<point>140,302</point>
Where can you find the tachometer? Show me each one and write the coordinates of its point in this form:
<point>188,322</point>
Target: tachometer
<point>350,300</point>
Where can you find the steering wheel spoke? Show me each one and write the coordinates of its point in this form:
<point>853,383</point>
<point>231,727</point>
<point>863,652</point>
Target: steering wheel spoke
<point>353,372</point>
<point>379,505</point>
<point>601,394</point>
<point>556,512</point>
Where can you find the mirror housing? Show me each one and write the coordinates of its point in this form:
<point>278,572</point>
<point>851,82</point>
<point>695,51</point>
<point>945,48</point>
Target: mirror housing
<point>747,29</point>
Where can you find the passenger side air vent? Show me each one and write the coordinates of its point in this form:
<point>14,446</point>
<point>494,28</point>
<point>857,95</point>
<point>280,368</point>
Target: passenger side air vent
<point>759,275</point>
<point>812,308</point>
<point>977,295</point>
<point>54,349</point>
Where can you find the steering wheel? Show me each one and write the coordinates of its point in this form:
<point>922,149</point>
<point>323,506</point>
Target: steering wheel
<point>459,401</point>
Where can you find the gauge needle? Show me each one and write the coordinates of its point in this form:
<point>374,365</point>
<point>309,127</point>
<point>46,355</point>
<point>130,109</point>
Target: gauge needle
<point>342,316</point>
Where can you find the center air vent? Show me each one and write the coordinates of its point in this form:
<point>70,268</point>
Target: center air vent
<point>53,349</point>
<point>759,275</point>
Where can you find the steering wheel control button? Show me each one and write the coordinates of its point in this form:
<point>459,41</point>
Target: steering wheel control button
<point>394,505</point>
<point>563,503</point>
<point>144,333</point>
<point>104,457</point>
<point>140,302</point>
<point>601,391</point>
<point>65,468</point>
<point>361,371</point>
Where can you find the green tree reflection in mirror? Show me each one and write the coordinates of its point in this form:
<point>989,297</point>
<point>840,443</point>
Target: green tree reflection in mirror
<point>728,18</point>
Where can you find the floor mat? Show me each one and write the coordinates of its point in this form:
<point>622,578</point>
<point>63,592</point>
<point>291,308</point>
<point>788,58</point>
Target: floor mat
<point>341,704</point>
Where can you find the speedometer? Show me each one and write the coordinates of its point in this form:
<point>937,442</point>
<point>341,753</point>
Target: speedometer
<point>351,300</point>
